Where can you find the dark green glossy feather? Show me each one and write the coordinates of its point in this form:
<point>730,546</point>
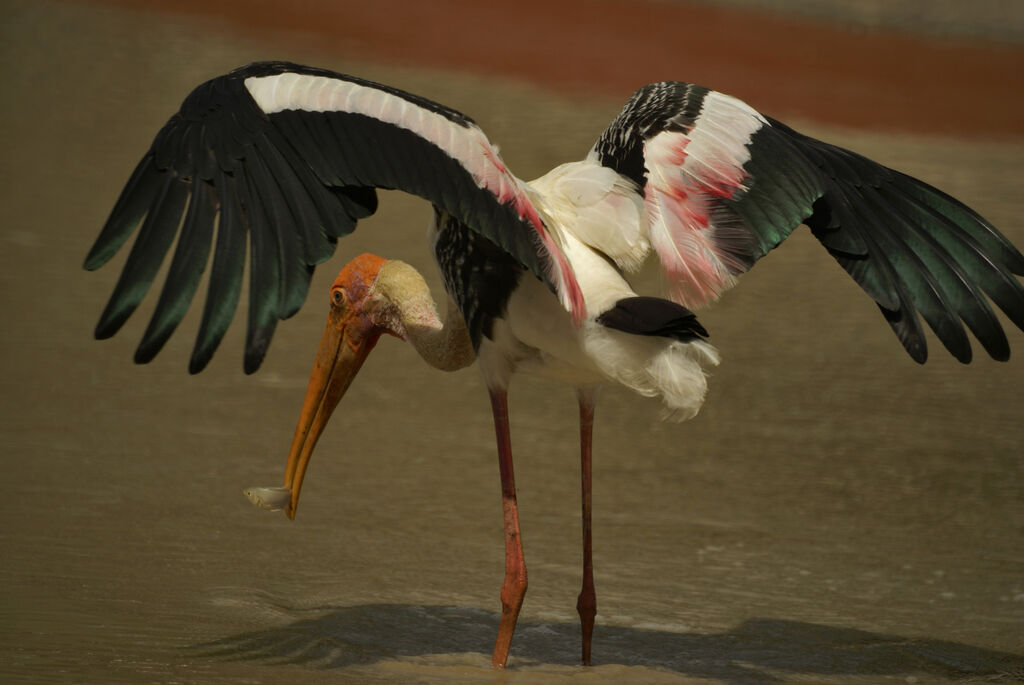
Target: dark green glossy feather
<point>155,238</point>
<point>184,274</point>
<point>265,278</point>
<point>225,276</point>
<point>926,252</point>
<point>145,183</point>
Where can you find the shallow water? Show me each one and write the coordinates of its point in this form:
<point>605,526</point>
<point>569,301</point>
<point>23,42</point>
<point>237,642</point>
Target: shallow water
<point>836,513</point>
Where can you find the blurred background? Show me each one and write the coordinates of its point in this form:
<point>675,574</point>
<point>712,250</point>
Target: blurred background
<point>836,513</point>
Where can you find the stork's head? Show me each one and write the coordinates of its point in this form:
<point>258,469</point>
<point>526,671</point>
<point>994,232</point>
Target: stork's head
<point>360,311</point>
<point>371,296</point>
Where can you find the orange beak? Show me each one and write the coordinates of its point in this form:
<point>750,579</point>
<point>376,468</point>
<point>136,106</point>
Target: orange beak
<point>347,341</point>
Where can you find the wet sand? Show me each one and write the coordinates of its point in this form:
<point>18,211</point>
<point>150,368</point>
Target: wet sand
<point>836,513</point>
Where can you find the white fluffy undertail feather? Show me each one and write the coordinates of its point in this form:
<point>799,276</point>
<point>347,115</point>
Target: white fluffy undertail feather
<point>654,366</point>
<point>683,385</point>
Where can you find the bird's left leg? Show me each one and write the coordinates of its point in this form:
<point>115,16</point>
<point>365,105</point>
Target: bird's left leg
<point>514,588</point>
<point>586,604</point>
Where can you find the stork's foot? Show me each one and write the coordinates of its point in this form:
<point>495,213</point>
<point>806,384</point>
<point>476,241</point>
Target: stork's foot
<point>512,594</point>
<point>586,606</point>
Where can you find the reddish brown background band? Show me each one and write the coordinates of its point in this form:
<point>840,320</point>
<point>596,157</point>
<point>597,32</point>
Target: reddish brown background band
<point>783,66</point>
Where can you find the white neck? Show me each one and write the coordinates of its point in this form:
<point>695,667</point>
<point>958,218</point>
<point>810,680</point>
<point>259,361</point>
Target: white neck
<point>445,346</point>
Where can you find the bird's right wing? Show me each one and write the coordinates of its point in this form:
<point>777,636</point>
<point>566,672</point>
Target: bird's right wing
<point>289,158</point>
<point>722,185</point>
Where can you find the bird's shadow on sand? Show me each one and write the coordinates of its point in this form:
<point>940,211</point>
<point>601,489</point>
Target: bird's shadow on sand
<point>757,651</point>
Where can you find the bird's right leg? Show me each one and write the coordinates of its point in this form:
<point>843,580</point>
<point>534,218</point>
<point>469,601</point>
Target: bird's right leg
<point>586,604</point>
<point>514,588</point>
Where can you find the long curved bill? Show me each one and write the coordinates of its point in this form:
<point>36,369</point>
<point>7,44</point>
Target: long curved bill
<point>346,343</point>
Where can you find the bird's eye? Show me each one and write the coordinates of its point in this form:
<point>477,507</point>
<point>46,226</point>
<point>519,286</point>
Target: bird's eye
<point>338,297</point>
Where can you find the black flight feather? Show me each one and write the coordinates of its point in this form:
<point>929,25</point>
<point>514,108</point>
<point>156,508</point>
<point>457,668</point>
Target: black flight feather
<point>225,276</point>
<point>183,277</point>
<point>155,238</point>
<point>265,278</point>
<point>145,183</point>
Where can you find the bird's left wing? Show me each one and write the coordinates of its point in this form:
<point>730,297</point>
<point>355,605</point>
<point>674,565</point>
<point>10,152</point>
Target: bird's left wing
<point>722,185</point>
<point>287,158</point>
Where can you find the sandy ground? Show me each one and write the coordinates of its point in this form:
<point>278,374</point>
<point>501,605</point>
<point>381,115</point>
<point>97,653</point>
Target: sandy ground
<point>836,514</point>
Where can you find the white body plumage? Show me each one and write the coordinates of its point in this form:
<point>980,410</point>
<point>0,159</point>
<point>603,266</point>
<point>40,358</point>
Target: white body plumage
<point>596,216</point>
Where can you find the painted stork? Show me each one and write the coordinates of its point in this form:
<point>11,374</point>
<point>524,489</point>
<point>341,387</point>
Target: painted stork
<point>285,159</point>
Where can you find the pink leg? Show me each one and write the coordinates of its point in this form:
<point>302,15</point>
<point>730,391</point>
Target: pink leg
<point>586,605</point>
<point>514,588</point>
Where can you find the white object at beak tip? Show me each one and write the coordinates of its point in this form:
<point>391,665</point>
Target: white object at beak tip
<point>271,499</point>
